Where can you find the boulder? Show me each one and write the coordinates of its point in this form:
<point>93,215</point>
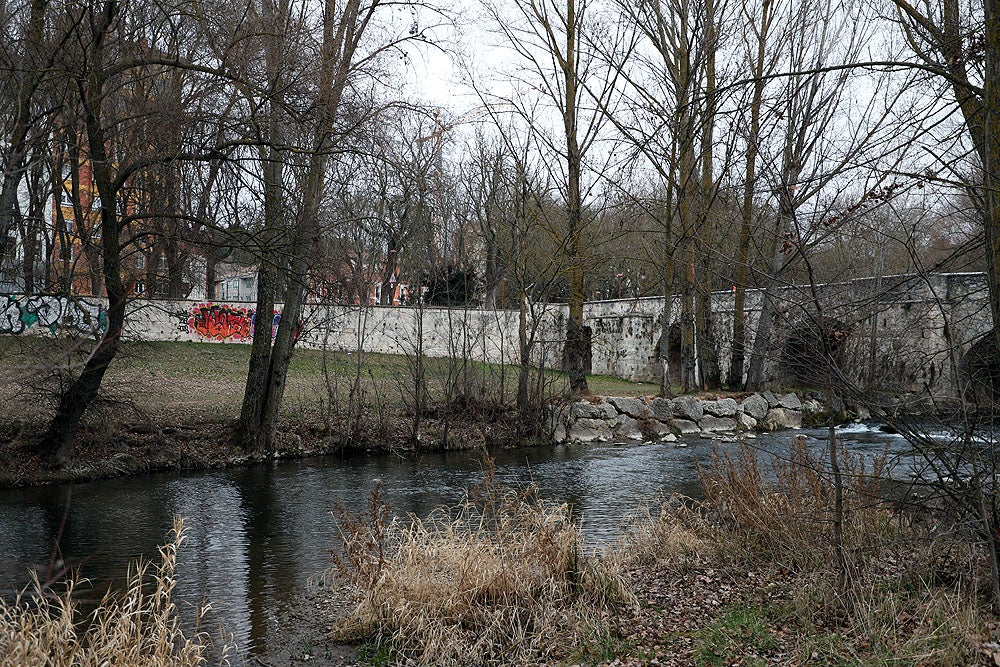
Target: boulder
<point>660,408</point>
<point>556,422</point>
<point>632,407</point>
<point>654,428</point>
<point>668,437</point>
<point>558,430</point>
<point>607,410</point>
<point>685,426</point>
<point>585,410</point>
<point>755,405</point>
<point>688,408</point>
<point>589,430</point>
<point>813,407</point>
<point>625,427</point>
<point>711,424</point>
<point>746,421</point>
<point>790,401</point>
<point>772,400</point>
<point>724,407</point>
<point>779,418</point>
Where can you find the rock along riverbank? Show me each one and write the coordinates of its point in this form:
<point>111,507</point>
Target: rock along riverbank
<point>121,449</point>
<point>615,418</point>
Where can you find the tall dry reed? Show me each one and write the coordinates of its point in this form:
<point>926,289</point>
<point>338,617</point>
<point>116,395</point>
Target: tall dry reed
<point>498,579</point>
<point>137,627</point>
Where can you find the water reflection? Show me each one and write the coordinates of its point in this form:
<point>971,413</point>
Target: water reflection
<point>256,535</point>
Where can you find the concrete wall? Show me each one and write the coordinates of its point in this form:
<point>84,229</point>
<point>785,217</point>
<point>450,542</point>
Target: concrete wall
<point>900,330</point>
<point>488,335</point>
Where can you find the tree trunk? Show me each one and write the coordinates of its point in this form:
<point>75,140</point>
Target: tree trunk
<point>576,339</point>
<point>23,119</point>
<point>74,401</point>
<point>768,306</point>
<point>991,157</point>
<point>248,431</point>
<point>736,366</point>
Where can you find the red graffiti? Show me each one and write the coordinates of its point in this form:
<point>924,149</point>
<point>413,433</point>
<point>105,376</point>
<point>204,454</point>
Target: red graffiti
<point>220,322</point>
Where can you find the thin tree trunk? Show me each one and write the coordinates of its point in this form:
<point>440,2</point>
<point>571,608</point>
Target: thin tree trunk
<point>736,366</point>
<point>74,401</point>
<point>18,143</point>
<point>765,321</point>
<point>576,339</point>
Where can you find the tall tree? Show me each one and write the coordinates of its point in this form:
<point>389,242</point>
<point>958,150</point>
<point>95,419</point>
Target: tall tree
<point>959,42</point>
<point>306,123</point>
<point>552,39</point>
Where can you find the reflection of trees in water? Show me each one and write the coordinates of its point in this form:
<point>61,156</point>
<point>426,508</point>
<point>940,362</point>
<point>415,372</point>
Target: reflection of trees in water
<point>213,560</point>
<point>271,581</point>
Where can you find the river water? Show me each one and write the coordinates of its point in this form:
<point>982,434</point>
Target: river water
<point>257,535</point>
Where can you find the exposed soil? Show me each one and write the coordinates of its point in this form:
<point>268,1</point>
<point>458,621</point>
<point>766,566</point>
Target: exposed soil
<point>111,449</point>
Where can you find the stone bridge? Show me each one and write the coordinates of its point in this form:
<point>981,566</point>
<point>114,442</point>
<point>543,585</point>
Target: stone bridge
<point>899,333</point>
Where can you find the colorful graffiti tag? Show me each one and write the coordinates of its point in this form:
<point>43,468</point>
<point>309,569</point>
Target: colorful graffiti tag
<point>20,314</point>
<point>221,322</point>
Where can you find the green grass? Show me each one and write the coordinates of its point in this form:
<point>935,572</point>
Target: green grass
<point>196,381</point>
<point>741,633</point>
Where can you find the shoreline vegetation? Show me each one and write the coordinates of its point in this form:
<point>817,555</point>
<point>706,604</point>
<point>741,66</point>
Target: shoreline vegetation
<point>172,406</point>
<point>748,576</point>
<point>802,560</point>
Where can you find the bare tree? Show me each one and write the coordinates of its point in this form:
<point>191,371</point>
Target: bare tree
<point>550,38</point>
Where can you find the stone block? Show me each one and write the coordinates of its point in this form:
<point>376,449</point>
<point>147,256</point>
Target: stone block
<point>687,407</point>
<point>625,427</point>
<point>654,428</point>
<point>632,407</point>
<point>813,407</point>
<point>589,430</point>
<point>712,424</point>
<point>585,410</point>
<point>790,401</point>
<point>607,410</point>
<point>746,421</point>
<point>685,426</point>
<point>755,405</point>
<point>781,418</point>
<point>661,409</point>
<point>724,407</point>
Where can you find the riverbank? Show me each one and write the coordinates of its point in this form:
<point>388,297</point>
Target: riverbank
<point>171,406</point>
<point>749,576</point>
<point>759,586</point>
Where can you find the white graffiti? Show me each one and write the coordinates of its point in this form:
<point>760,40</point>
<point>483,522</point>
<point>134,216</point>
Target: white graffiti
<point>53,314</point>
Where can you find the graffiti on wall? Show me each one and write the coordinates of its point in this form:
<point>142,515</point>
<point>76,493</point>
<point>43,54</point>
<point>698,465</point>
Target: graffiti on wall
<point>20,314</point>
<point>222,322</point>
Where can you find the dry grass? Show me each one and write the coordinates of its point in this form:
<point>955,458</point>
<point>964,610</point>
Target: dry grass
<point>186,381</point>
<point>672,535</point>
<point>787,515</point>
<point>499,579</point>
<point>139,627</point>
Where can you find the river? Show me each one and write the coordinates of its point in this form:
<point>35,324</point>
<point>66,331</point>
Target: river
<point>257,535</point>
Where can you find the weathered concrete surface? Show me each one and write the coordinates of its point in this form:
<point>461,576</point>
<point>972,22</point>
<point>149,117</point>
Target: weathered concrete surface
<point>895,332</point>
<point>898,331</point>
